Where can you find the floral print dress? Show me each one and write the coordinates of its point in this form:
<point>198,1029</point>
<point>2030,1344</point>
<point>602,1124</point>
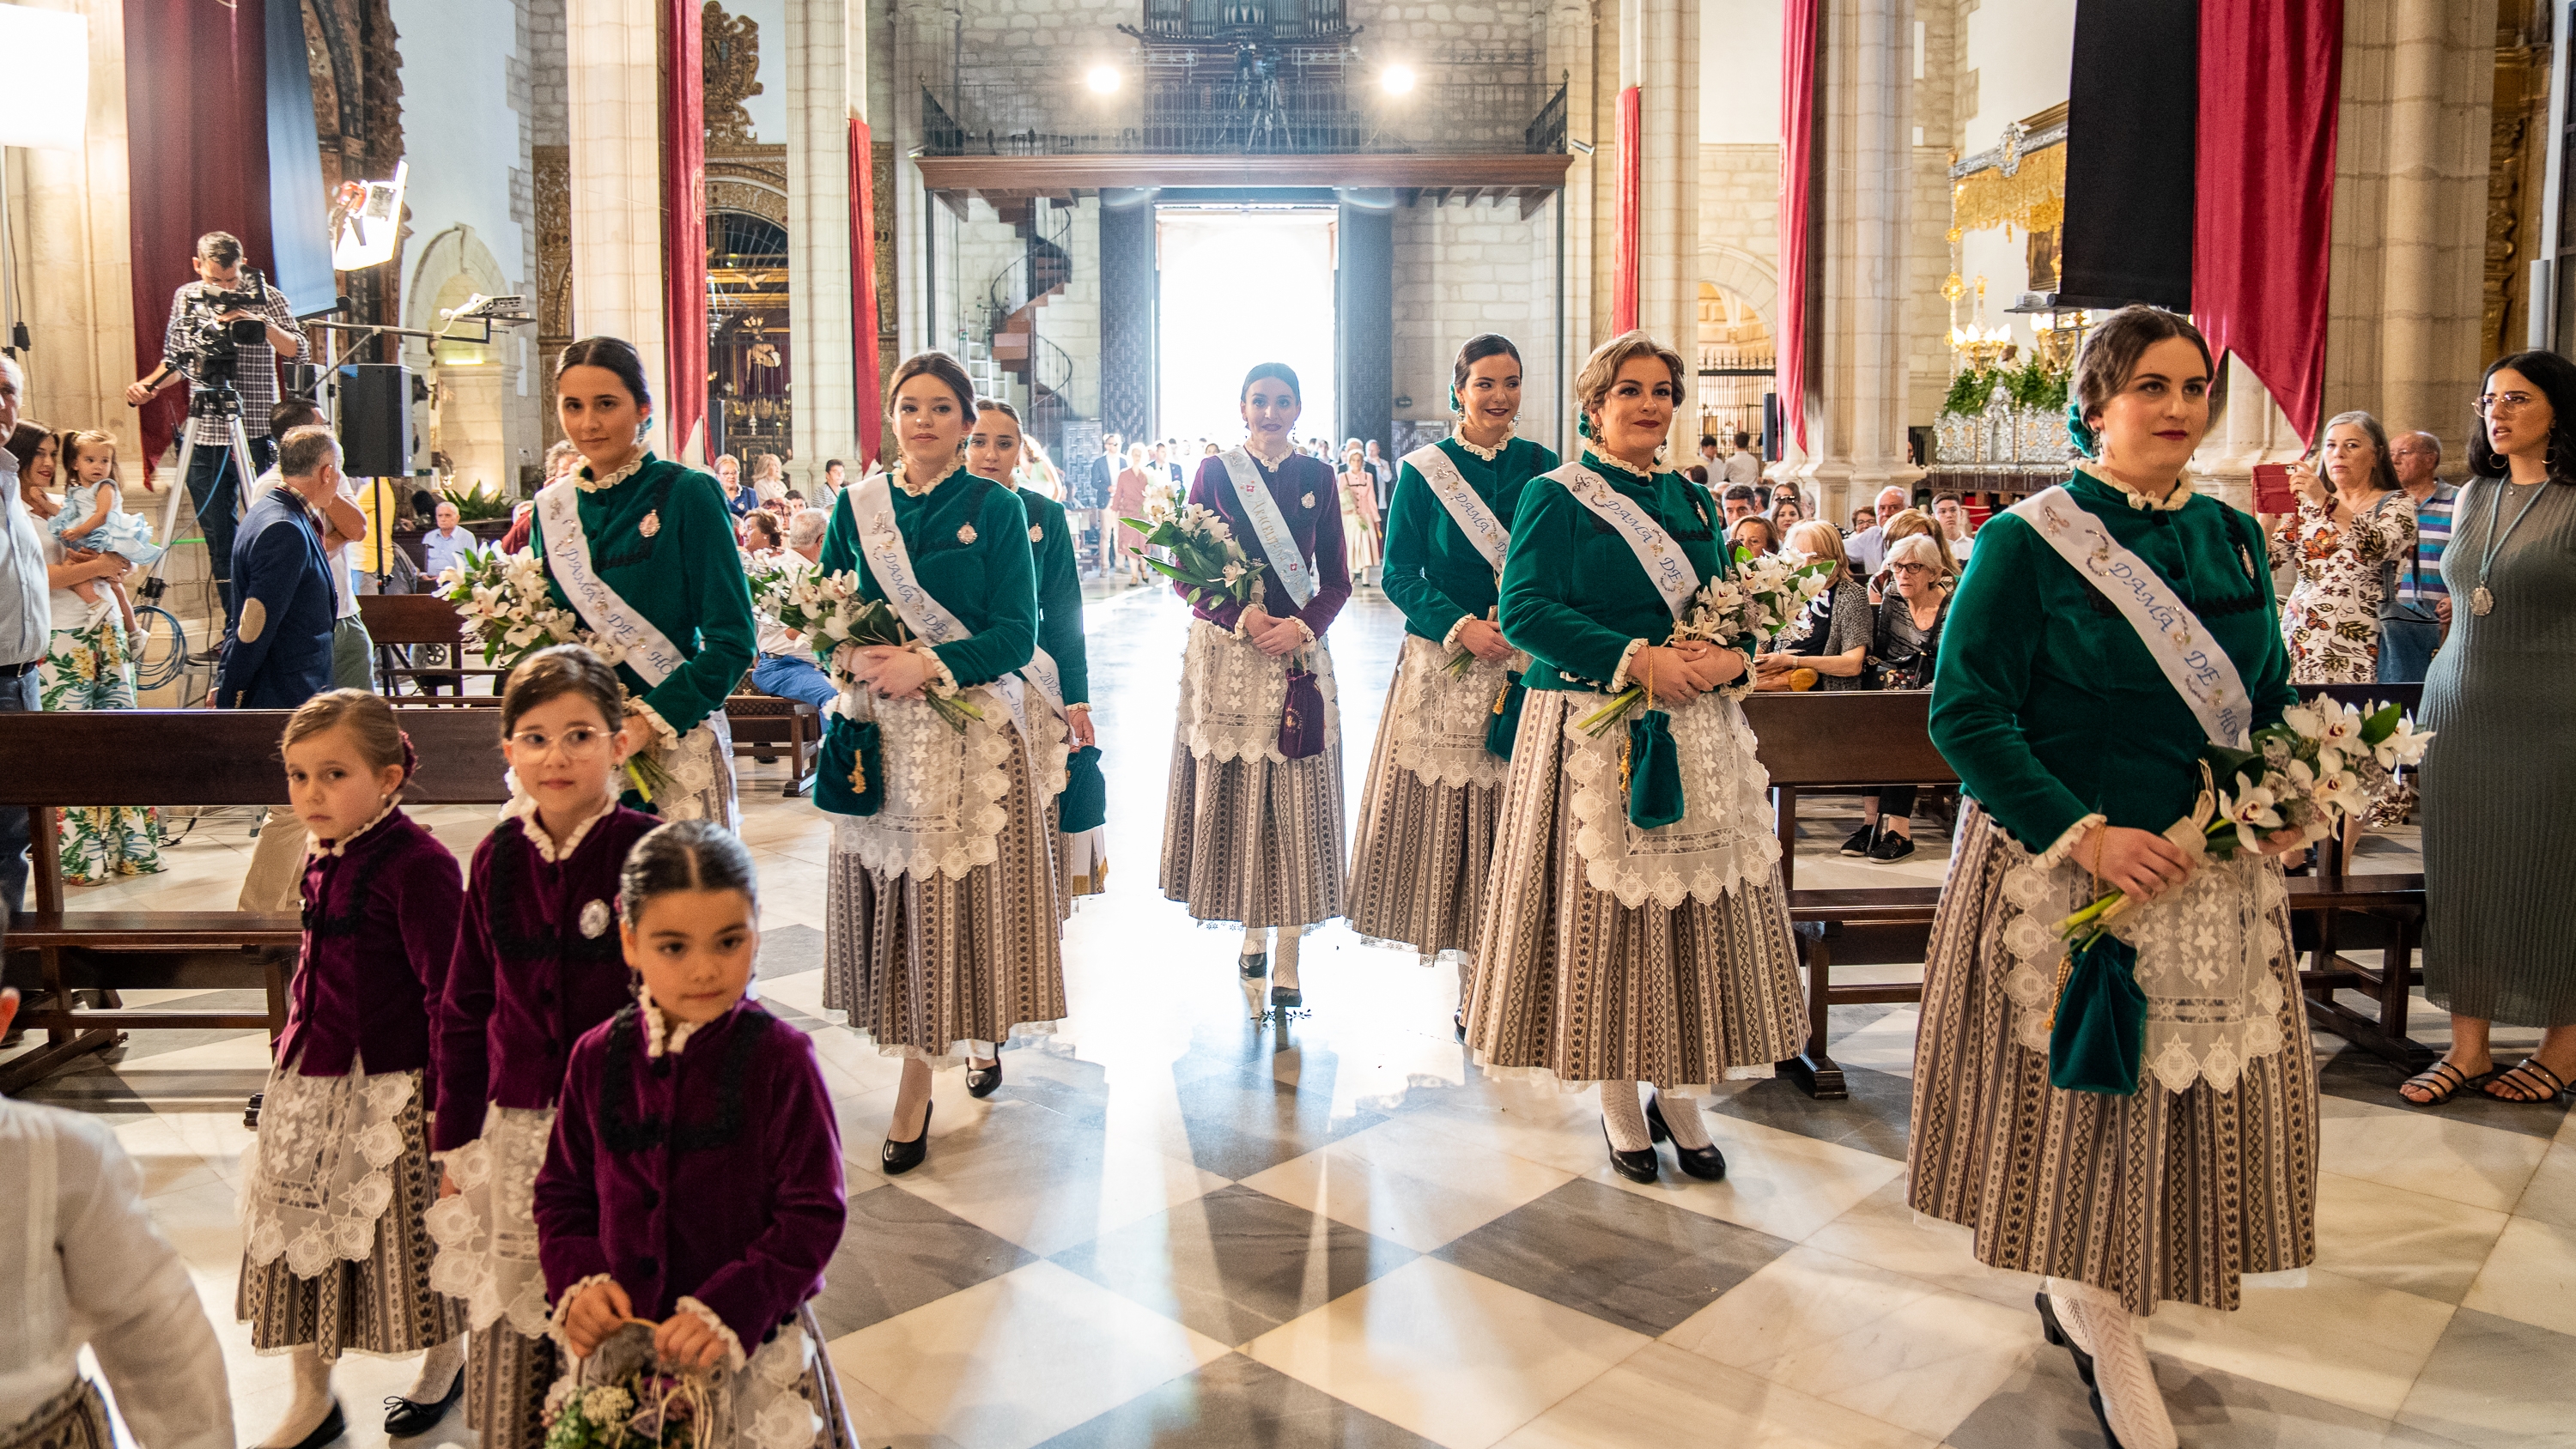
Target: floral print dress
<point>87,667</point>
<point>2331,622</point>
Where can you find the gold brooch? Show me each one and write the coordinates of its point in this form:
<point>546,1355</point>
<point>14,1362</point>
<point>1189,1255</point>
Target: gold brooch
<point>652,523</point>
<point>1037,533</point>
<point>965,533</point>
<point>1308,500</point>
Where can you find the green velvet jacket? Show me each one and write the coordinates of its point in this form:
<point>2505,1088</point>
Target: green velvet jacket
<point>1059,594</point>
<point>969,541</point>
<point>1574,596</point>
<point>683,575</point>
<point>1433,573</point>
<point>2045,702</point>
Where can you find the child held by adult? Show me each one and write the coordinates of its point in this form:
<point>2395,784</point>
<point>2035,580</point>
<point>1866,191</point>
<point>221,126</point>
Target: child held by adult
<point>536,965</point>
<point>93,518</point>
<point>335,1258</point>
<point>694,1179</point>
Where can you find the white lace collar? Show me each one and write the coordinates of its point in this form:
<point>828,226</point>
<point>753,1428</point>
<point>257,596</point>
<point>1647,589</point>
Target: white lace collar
<point>582,479</point>
<point>1621,464</point>
<point>1269,465</point>
<point>903,479</point>
<point>1488,454</point>
<point>318,847</point>
<point>2172,502</point>
<point>661,1035</point>
<point>523,808</point>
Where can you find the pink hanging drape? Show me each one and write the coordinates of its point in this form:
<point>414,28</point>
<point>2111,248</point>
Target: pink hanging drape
<point>1623,264</point>
<point>863,289</point>
<point>684,227</point>
<point>1798,23</point>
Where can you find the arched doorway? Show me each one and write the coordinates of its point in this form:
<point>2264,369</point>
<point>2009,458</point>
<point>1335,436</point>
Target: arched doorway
<point>749,396</point>
<point>1736,364</point>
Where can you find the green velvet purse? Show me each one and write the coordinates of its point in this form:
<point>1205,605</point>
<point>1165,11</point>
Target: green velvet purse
<point>1084,805</point>
<point>1505,723</point>
<point>2098,1042</point>
<point>1654,771</point>
<point>849,771</point>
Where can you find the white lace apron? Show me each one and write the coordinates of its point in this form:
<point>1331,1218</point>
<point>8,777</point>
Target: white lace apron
<point>487,1232</point>
<point>321,1172</point>
<point>944,789</point>
<point>1725,836</point>
<point>2207,953</point>
<point>701,767</point>
<point>761,1405</point>
<point>1439,720</point>
<point>1232,696</point>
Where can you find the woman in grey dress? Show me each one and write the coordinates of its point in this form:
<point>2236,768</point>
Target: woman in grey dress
<point>2500,779</point>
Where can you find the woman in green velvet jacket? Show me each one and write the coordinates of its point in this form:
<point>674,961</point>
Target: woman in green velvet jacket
<point>941,937</point>
<point>656,539</point>
<point>1615,953</point>
<point>1435,786</point>
<point>2076,755</point>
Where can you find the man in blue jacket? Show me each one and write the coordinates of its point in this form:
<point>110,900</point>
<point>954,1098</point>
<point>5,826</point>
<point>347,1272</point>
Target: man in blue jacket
<point>279,654</point>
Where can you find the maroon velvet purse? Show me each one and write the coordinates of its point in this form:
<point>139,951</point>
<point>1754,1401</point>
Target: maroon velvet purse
<point>1301,724</point>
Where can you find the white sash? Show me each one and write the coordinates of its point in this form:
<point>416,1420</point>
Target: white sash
<point>1262,511</point>
<point>647,650</point>
<point>1466,510</point>
<point>881,540</point>
<point>1667,567</point>
<point>2199,670</point>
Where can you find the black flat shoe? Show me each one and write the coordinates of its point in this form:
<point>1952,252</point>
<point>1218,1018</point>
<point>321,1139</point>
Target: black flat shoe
<point>407,1417</point>
<point>1861,840</point>
<point>1891,847</point>
<point>1254,966</point>
<point>2058,1337</point>
<point>980,1081</point>
<point>903,1157</point>
<point>1705,1163</point>
<point>250,1114</point>
<point>1634,1166</point>
<point>333,1425</point>
<point>1458,1023</point>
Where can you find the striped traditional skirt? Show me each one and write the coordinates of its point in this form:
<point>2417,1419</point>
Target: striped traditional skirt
<point>2161,1195</point>
<point>76,1418</point>
<point>1573,986</point>
<point>1429,814</point>
<point>1255,841</point>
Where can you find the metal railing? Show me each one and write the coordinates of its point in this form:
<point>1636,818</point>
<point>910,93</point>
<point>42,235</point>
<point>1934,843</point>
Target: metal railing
<point>1219,20</point>
<point>1213,112</point>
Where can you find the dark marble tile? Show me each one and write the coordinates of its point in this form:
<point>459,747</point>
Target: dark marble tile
<point>2496,1383</point>
<point>1636,1262</point>
<point>900,1252</point>
<point>1235,1403</point>
<point>1873,1118</point>
<point>2045,1406</point>
<point>1237,1124</point>
<point>2364,1076</point>
<point>790,951</point>
<point>1235,1263</point>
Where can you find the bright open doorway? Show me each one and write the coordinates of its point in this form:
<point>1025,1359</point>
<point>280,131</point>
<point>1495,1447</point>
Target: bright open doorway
<point>1240,286</point>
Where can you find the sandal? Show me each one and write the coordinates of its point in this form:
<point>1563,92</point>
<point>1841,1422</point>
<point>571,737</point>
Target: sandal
<point>2444,1081</point>
<point>2534,1077</point>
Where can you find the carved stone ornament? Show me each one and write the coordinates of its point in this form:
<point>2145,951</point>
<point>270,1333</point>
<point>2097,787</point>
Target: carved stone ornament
<point>731,50</point>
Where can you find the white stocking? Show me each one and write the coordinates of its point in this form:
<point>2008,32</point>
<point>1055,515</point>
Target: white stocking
<point>1681,1117</point>
<point>1624,1117</point>
<point>312,1402</point>
<point>2103,1327</point>
<point>1283,961</point>
<point>1256,939</point>
<point>979,1058</point>
<point>438,1370</point>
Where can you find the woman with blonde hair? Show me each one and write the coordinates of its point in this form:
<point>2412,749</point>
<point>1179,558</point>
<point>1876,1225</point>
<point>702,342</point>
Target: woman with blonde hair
<point>1915,523</point>
<point>1638,931</point>
<point>1834,647</point>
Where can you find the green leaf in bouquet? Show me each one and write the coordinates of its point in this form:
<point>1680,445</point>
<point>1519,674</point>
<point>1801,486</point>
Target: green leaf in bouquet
<point>2381,723</point>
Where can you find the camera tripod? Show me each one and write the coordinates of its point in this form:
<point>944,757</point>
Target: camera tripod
<point>215,399</point>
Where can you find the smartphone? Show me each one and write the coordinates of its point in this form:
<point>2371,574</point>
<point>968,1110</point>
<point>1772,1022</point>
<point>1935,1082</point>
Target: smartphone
<point>2272,489</point>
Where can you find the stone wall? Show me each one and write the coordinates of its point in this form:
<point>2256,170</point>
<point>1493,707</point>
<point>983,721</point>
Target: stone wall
<point>1739,225</point>
<point>1461,270</point>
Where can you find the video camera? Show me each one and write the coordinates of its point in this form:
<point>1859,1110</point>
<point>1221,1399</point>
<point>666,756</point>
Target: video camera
<point>209,348</point>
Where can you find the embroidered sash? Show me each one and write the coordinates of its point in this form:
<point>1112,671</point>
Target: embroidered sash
<point>1262,511</point>
<point>648,651</point>
<point>1674,576</point>
<point>881,539</point>
<point>2198,669</point>
<point>1468,511</point>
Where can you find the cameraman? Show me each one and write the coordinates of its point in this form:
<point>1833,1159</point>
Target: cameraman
<point>213,490</point>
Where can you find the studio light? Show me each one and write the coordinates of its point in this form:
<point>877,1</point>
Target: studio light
<point>1397,80</point>
<point>1103,79</point>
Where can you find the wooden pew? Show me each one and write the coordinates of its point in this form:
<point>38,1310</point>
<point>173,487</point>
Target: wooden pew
<point>177,757</point>
<point>763,724</point>
<point>402,621</point>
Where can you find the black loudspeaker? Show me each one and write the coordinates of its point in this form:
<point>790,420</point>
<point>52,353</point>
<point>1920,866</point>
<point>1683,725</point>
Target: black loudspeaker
<point>375,420</point>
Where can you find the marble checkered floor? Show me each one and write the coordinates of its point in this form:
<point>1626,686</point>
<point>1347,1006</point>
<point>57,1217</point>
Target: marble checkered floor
<point>1174,1227</point>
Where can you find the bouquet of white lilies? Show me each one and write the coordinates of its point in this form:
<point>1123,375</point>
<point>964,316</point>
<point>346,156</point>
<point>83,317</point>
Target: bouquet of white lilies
<point>827,612</point>
<point>509,611</point>
<point>1209,565</point>
<point>1764,596</point>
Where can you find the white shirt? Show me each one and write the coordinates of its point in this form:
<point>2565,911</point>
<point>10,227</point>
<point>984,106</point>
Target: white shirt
<point>774,638</point>
<point>25,615</point>
<point>343,577</point>
<point>80,1261</point>
<point>1959,547</point>
<point>1743,467</point>
<point>1866,550</point>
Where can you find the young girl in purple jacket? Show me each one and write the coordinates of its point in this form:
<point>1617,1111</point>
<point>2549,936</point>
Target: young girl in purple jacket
<point>694,1180</point>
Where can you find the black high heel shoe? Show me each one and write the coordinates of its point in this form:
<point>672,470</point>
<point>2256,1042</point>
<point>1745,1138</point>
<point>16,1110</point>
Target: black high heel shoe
<point>333,1425</point>
<point>1705,1163</point>
<point>1286,998</point>
<point>981,1081</point>
<point>903,1157</point>
<point>1634,1166</point>
<point>1254,965</point>
<point>405,1418</point>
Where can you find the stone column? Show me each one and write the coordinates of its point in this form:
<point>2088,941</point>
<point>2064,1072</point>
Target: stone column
<point>1858,358</point>
<point>1569,54</point>
<point>827,67</point>
<point>1659,54</point>
<point>615,69</point>
<point>922,36</point>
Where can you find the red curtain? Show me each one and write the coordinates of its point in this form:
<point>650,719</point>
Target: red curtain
<point>684,225</point>
<point>1623,253</point>
<point>863,289</point>
<point>1798,23</point>
<point>196,112</point>
<point>2270,75</point>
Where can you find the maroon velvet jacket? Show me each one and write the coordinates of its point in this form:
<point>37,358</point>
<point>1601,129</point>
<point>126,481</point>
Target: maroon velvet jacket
<point>379,926</point>
<point>1317,529</point>
<point>712,1173</point>
<point>527,981</point>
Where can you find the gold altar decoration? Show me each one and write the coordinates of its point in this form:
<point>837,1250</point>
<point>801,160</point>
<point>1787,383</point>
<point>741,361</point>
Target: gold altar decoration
<point>2032,196</point>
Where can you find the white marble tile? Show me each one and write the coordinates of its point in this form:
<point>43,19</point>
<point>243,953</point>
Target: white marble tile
<point>1022,1173</point>
<point>1884,1232</point>
<point>1664,1396</point>
<point>2336,1339</point>
<point>2530,1277</point>
<point>2409,1241</point>
<point>2428,1153</point>
<point>2550,1197</point>
<point>1891,1347</point>
<point>1408,1183</point>
<point>1020,1358</point>
<point>1885,1045</point>
<point>1457,1358</point>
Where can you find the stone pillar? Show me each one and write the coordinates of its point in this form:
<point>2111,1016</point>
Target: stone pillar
<point>827,67</point>
<point>1569,54</point>
<point>1127,288</point>
<point>72,239</point>
<point>1364,284</point>
<point>922,36</point>
<point>1659,54</point>
<point>2251,429</point>
<point>615,70</point>
<point>1858,367</point>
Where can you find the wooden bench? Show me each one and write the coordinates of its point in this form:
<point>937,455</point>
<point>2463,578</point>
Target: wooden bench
<point>176,757</point>
<point>396,622</point>
<point>763,724</point>
<point>1813,743</point>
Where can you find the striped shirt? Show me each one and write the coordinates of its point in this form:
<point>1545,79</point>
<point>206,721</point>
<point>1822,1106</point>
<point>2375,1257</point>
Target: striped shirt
<point>2421,579</point>
<point>254,379</point>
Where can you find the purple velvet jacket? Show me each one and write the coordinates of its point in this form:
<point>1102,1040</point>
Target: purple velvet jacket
<point>528,978</point>
<point>711,1173</point>
<point>379,926</point>
<point>1317,529</point>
